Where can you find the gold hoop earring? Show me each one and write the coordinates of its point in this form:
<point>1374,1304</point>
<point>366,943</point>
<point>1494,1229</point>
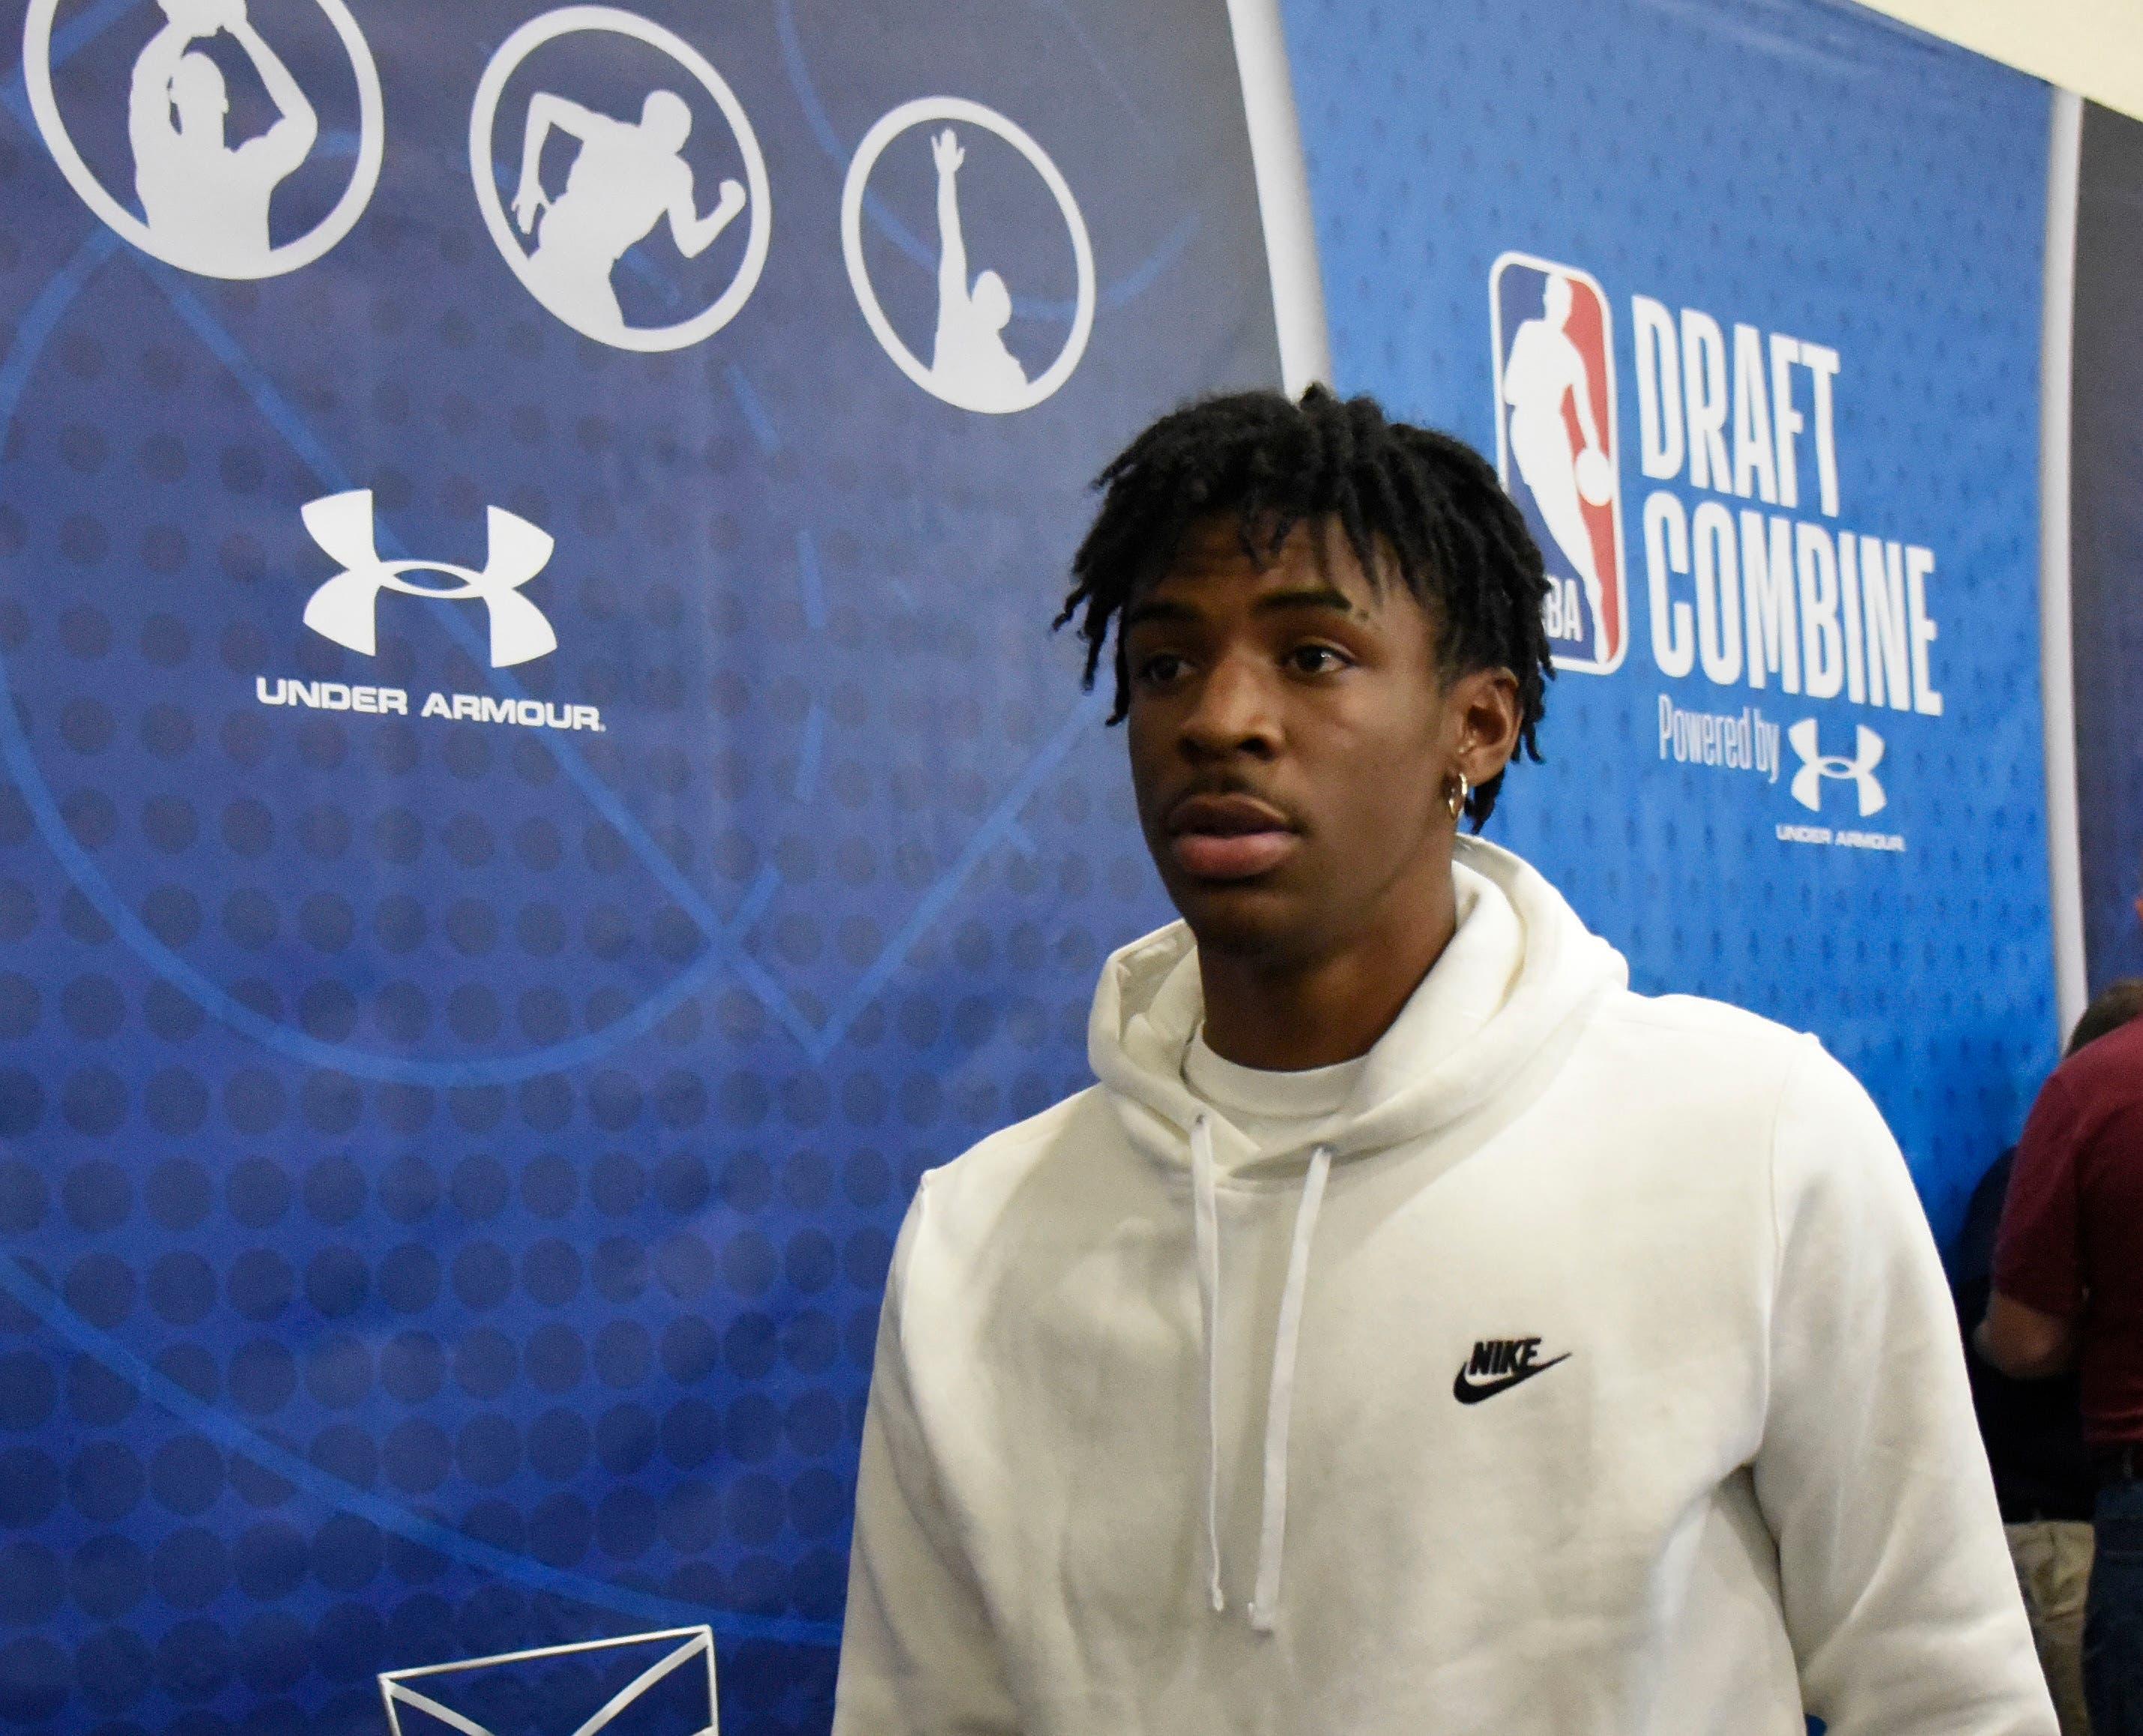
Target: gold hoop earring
<point>1454,798</point>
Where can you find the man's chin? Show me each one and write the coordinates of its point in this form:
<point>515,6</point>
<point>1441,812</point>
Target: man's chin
<point>1252,917</point>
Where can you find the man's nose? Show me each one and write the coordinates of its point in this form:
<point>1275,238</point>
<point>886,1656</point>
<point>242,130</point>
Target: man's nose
<point>1232,714</point>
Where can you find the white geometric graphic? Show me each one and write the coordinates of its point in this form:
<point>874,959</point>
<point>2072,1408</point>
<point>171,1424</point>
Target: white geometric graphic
<point>434,1701</point>
<point>626,178</point>
<point>969,366</point>
<point>346,608</point>
<point>1816,765</point>
<point>205,201</point>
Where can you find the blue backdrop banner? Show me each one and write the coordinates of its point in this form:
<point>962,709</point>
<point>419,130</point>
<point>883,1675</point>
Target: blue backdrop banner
<point>539,797</point>
<point>1744,299</point>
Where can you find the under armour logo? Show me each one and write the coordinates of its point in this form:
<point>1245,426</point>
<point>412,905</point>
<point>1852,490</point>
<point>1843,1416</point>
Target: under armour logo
<point>346,608</point>
<point>1816,765</point>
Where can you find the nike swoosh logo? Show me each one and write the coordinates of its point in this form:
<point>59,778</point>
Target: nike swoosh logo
<point>1467,1391</point>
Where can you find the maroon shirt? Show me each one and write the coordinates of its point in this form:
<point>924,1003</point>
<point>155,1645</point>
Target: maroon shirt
<point>2072,1239</point>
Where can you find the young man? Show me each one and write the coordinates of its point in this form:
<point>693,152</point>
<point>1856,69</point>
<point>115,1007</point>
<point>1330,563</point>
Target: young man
<point>2068,1292</point>
<point>1415,1331</point>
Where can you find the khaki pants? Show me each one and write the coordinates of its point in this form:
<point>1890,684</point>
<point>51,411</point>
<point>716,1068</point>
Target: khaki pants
<point>2053,1568</point>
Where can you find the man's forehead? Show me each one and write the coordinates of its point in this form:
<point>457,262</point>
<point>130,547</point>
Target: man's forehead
<point>1221,551</point>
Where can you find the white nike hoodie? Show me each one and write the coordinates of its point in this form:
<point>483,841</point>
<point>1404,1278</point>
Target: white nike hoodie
<point>1591,1371</point>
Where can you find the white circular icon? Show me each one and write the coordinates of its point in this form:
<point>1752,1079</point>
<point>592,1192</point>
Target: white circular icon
<point>970,366</point>
<point>204,201</point>
<point>628,175</point>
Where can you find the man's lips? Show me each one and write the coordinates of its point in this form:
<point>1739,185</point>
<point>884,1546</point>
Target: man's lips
<point>1227,836</point>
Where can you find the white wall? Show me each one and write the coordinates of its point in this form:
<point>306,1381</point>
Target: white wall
<point>2095,47</point>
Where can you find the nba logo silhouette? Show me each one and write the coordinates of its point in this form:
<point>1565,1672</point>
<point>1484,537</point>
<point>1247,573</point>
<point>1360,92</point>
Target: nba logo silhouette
<point>1555,448</point>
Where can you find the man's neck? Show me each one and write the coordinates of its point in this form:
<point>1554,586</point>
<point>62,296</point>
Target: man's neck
<point>1283,1018</point>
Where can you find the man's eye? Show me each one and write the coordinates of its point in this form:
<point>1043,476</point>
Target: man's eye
<point>1159,670</point>
<point>1315,660</point>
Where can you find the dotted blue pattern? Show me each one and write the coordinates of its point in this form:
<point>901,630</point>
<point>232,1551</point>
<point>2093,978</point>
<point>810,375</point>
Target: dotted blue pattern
<point>1811,169</point>
<point>447,1172</point>
<point>2106,544</point>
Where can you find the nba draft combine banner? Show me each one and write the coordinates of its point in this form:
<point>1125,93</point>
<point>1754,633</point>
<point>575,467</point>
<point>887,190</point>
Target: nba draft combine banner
<point>539,796</point>
<point>1743,299</point>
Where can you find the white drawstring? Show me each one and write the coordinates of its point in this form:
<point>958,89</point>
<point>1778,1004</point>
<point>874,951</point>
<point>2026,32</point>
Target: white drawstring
<point>1205,1229</point>
<point>1279,1402</point>
<point>1279,1399</point>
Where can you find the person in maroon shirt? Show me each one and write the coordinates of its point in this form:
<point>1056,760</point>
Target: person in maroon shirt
<point>2068,1290</point>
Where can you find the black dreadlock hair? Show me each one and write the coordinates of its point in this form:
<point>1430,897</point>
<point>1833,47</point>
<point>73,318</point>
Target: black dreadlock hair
<point>1461,547</point>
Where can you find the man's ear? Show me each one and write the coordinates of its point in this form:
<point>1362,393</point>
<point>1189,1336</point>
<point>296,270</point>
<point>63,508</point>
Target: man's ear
<point>1483,705</point>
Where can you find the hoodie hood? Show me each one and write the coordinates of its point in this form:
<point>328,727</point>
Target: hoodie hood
<point>1519,966</point>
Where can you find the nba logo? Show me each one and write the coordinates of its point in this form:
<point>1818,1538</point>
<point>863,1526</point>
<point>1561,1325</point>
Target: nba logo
<point>1555,449</point>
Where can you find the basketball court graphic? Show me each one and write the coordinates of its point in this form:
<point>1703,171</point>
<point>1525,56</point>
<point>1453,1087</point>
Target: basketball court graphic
<point>389,979</point>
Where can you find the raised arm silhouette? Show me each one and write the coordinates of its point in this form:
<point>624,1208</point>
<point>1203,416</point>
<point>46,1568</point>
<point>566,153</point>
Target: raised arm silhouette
<point>969,359</point>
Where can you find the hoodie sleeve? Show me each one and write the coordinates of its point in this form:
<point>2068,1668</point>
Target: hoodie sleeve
<point>917,1655</point>
<point>1900,1599</point>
